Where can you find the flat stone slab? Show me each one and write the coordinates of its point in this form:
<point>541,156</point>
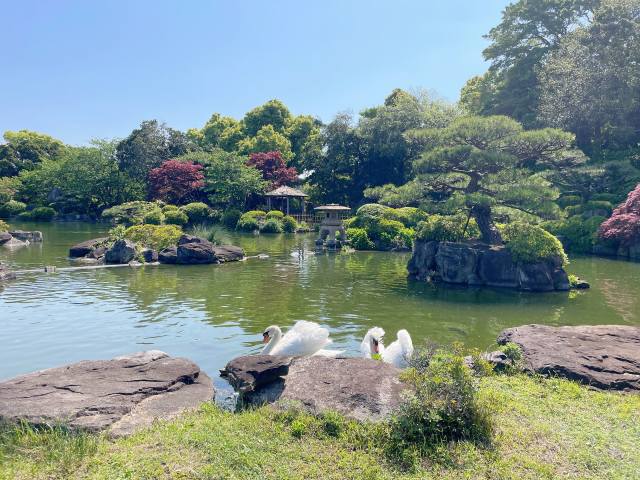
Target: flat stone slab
<point>120,395</point>
<point>606,357</point>
<point>358,388</point>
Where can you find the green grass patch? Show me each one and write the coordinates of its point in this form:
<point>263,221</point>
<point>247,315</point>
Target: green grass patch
<point>544,428</point>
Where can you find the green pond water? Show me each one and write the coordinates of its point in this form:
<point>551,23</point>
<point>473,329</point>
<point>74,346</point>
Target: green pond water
<point>212,313</point>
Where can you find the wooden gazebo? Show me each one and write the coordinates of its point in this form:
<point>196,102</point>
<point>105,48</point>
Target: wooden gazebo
<point>286,193</point>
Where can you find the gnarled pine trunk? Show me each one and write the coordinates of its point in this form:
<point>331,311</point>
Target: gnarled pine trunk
<point>489,232</point>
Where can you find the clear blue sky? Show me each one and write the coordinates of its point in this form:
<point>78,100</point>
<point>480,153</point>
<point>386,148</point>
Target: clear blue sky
<point>95,69</point>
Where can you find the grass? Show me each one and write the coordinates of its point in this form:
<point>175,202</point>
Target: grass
<point>544,428</point>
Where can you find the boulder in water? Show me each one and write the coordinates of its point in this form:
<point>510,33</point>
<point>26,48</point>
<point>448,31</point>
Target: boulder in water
<point>122,251</point>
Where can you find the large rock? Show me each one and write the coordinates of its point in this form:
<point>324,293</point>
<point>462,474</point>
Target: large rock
<point>168,255</point>
<point>603,356</point>
<point>31,237</point>
<point>195,253</point>
<point>5,237</point>
<point>359,388</point>
<point>476,263</point>
<point>119,395</point>
<point>87,247</point>
<point>228,253</point>
<point>250,373</point>
<point>122,251</point>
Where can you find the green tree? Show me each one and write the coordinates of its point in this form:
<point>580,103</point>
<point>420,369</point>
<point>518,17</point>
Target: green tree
<point>229,181</point>
<point>274,113</point>
<point>214,128</point>
<point>25,150</point>
<point>484,162</point>
<point>83,180</point>
<point>148,146</point>
<point>528,32</point>
<point>9,186</point>
<point>267,140</point>
<point>591,84</point>
<point>303,132</point>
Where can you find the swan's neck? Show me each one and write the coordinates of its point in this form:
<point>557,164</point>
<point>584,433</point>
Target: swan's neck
<point>268,348</point>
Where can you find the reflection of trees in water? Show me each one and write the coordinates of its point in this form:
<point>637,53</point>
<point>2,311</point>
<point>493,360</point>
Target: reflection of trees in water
<point>623,301</point>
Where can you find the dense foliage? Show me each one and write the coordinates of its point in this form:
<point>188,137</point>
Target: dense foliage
<point>175,181</point>
<point>624,225</point>
<point>531,243</point>
<point>378,227</point>
<point>156,237</point>
<point>273,168</point>
<point>447,228</point>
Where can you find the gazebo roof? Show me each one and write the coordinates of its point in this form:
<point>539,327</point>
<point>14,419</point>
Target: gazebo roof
<point>285,191</point>
<point>334,207</point>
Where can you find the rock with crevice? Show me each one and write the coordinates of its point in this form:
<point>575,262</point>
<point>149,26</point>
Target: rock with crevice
<point>5,237</point>
<point>606,357</point>
<point>120,395</point>
<point>26,236</point>
<point>359,388</point>
<point>168,255</point>
<point>122,251</point>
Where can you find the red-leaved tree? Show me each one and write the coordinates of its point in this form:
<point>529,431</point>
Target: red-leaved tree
<point>624,224</point>
<point>175,181</point>
<point>273,168</point>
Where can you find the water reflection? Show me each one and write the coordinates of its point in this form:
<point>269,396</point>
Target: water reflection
<point>212,313</point>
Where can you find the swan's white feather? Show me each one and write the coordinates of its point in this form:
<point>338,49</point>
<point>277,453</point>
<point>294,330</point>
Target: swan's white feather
<point>400,351</point>
<point>365,346</point>
<point>323,352</point>
<point>304,338</point>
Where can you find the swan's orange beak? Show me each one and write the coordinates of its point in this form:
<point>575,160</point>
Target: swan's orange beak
<point>265,337</point>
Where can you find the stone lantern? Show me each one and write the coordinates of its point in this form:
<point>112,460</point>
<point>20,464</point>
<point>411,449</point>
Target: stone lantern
<point>331,222</point>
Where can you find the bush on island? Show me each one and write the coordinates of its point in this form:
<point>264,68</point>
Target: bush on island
<point>156,237</point>
<point>42,214</point>
<point>12,208</point>
<point>569,200</point>
<point>154,217</point>
<point>247,223</point>
<point>531,243</point>
<point>230,217</point>
<point>275,214</point>
<point>4,226</point>
<point>385,227</point>
<point>289,224</point>
<point>303,227</point>
<point>133,213</point>
<point>258,214</point>
<point>176,217</point>
<point>272,225</point>
<point>447,228</point>
<point>168,208</point>
<point>197,212</point>
<point>358,239</point>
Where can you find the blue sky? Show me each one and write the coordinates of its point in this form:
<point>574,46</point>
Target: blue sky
<point>95,69</point>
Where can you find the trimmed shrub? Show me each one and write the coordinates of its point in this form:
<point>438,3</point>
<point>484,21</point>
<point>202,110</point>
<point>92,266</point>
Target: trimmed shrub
<point>256,214</point>
<point>303,227</point>
<point>599,205</point>
<point>176,217</point>
<point>277,214</point>
<point>410,216</point>
<point>247,223</point>
<point>358,239</point>
<point>11,208</point>
<point>154,217</point>
<point>154,236</point>
<point>607,197</point>
<point>374,210</point>
<point>574,210</point>
<point>447,228</point>
<point>168,208</point>
<point>530,243</point>
<point>197,212</point>
<point>230,218</point>
<point>131,213</point>
<point>272,225</point>
<point>289,224</point>
<point>4,226</point>
<point>43,214</point>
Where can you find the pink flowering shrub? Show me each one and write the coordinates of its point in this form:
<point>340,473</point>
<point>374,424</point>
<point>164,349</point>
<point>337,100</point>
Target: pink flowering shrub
<point>624,225</point>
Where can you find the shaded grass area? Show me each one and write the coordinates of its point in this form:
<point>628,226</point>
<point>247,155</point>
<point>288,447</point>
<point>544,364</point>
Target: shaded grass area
<point>543,429</point>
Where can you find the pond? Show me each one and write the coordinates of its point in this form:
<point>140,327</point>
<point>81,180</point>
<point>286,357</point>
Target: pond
<point>212,313</point>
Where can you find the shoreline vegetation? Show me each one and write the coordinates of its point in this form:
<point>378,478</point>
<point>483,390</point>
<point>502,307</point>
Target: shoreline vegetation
<point>543,428</point>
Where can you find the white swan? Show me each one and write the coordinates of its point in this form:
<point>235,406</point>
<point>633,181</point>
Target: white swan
<point>372,346</point>
<point>397,354</point>
<point>303,339</point>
